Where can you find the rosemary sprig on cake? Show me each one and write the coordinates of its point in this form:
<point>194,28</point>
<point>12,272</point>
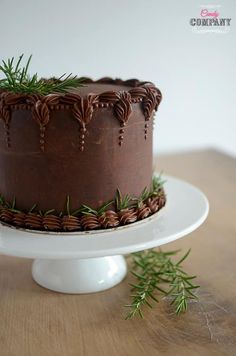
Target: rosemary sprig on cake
<point>16,79</point>
<point>158,276</point>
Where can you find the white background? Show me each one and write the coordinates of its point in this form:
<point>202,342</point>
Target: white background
<point>147,39</point>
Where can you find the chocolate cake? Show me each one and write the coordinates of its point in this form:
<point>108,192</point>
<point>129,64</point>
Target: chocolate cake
<point>80,159</point>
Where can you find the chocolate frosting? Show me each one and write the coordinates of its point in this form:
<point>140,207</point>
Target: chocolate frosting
<point>83,221</point>
<point>83,144</point>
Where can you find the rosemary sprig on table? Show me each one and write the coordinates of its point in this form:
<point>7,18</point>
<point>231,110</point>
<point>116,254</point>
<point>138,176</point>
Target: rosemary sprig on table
<point>17,79</point>
<point>158,276</point>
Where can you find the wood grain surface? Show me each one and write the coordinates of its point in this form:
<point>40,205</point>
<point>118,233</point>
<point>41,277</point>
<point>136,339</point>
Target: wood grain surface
<point>35,321</point>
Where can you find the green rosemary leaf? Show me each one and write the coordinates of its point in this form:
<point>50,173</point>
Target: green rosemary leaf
<point>13,203</point>
<point>18,62</point>
<point>68,205</point>
<point>86,210</point>
<point>160,290</point>
<point>122,202</point>
<point>139,276</point>
<point>15,210</point>
<point>104,207</point>
<point>33,207</point>
<point>49,212</point>
<point>183,258</point>
<point>153,297</point>
<point>136,286</point>
<point>140,313</point>
<point>148,304</point>
<point>153,270</point>
<point>18,80</point>
<point>77,211</point>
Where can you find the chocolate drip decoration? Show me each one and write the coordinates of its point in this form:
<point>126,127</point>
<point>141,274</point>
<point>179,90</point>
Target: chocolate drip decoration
<point>5,115</point>
<point>110,97</point>
<point>143,211</point>
<point>137,93</point>
<point>90,222</point>
<point>127,216</point>
<point>70,99</point>
<point>144,93</point>
<point>145,130</point>
<point>82,111</point>
<point>70,223</point>
<point>109,219</point>
<point>150,103</point>
<point>122,110</point>
<point>51,222</point>
<point>33,221</point>
<point>14,99</point>
<point>41,113</point>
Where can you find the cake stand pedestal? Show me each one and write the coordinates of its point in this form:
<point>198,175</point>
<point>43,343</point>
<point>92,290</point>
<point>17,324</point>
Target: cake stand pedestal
<point>87,262</point>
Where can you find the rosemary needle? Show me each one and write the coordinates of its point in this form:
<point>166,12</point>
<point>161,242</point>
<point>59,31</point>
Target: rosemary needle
<point>16,79</point>
<point>157,276</point>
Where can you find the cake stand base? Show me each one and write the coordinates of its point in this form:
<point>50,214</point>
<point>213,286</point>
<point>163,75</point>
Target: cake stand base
<point>79,275</point>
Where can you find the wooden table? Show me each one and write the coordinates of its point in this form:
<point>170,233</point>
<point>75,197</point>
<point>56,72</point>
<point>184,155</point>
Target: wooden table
<point>35,321</point>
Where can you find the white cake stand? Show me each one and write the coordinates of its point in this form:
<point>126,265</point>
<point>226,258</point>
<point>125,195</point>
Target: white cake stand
<point>86,262</point>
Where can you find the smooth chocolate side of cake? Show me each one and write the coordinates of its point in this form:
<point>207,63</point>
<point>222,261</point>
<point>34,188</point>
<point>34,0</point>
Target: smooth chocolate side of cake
<point>84,145</point>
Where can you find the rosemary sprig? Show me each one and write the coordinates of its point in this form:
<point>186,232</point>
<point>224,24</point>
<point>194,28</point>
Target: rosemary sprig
<point>181,286</point>
<point>144,196</point>
<point>157,184</point>
<point>122,202</point>
<point>17,79</point>
<point>68,210</point>
<point>158,276</point>
<point>155,190</point>
<point>45,213</point>
<point>86,210</point>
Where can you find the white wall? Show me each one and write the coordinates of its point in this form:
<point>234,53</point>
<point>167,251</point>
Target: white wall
<point>148,39</point>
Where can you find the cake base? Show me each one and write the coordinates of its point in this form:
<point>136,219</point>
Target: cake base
<point>78,276</point>
<point>77,262</point>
